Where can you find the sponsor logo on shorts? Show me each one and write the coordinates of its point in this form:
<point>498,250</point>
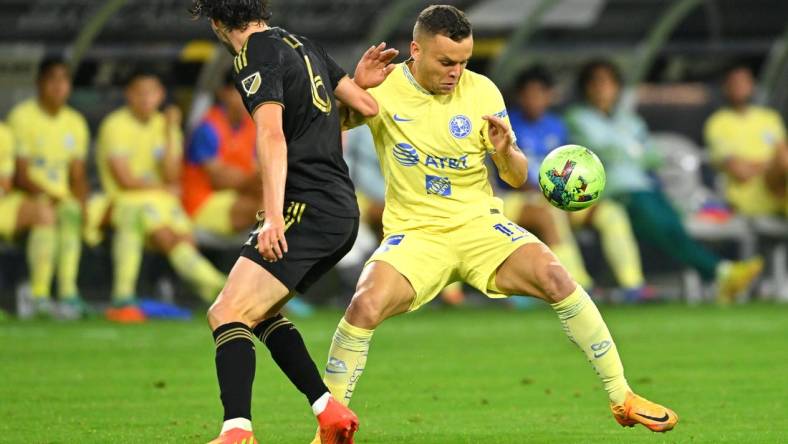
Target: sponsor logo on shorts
<point>438,185</point>
<point>405,154</point>
<point>460,126</point>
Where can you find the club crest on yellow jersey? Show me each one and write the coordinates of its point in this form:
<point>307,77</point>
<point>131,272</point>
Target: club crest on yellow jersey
<point>460,126</point>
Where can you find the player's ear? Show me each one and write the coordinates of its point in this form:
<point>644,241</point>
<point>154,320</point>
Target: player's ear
<point>415,50</point>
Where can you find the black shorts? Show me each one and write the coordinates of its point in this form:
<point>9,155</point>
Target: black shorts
<point>316,241</point>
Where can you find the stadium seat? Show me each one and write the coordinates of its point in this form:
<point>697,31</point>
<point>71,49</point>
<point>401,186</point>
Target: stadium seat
<point>681,177</point>
<point>774,231</point>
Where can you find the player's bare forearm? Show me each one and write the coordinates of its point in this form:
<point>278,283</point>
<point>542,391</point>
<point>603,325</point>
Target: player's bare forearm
<point>272,154</point>
<point>742,170</point>
<point>122,174</point>
<point>227,177</point>
<point>512,166</point>
<point>23,180</point>
<point>273,169</point>
<point>79,181</point>
<point>356,98</point>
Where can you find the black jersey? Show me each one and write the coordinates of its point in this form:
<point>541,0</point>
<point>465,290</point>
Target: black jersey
<point>275,66</point>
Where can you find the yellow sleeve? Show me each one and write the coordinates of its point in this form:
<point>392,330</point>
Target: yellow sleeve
<point>714,134</point>
<point>6,152</point>
<point>492,103</point>
<point>16,123</point>
<point>114,140</point>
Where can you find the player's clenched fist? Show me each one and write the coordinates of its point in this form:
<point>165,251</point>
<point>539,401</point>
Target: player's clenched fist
<point>271,241</point>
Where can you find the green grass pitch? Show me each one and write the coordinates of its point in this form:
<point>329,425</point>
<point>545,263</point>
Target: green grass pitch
<point>437,376</point>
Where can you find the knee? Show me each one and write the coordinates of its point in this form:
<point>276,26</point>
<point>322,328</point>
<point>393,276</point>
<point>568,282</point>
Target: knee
<point>45,214</point>
<point>554,281</point>
<point>225,309</point>
<point>365,310</point>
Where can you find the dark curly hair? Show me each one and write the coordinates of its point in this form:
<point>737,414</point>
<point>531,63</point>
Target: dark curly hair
<point>233,14</point>
<point>536,73</point>
<point>588,71</point>
<point>445,20</point>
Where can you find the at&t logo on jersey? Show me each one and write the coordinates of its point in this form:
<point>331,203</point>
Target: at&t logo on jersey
<point>460,126</point>
<point>405,154</point>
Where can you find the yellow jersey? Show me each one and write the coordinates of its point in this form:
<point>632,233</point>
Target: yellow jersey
<point>6,153</point>
<point>49,143</point>
<point>432,150</point>
<point>140,143</point>
<point>751,135</point>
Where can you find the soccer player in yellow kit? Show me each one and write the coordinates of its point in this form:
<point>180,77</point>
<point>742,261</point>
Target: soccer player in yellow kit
<point>437,124</point>
<point>20,212</point>
<point>139,160</point>
<point>51,144</point>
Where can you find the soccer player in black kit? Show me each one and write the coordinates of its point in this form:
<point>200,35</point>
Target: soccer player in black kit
<point>290,86</point>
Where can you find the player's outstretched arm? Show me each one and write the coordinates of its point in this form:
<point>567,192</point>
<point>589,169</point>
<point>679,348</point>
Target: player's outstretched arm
<point>356,98</point>
<point>272,153</point>
<point>511,163</point>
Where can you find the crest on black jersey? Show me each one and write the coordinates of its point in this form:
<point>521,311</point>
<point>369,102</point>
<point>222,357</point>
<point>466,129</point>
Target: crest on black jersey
<point>251,83</point>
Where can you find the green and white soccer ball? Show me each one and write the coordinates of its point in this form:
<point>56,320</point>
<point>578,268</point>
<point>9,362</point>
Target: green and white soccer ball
<point>572,177</point>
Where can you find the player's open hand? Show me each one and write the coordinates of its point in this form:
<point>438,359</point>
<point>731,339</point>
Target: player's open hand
<point>375,65</point>
<point>499,134</point>
<point>271,241</point>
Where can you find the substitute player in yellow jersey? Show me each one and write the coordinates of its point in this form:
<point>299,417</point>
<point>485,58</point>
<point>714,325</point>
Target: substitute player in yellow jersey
<point>437,124</point>
<point>139,160</point>
<point>51,144</point>
<point>20,212</point>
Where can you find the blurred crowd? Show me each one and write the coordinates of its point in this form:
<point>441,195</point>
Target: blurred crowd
<point>158,188</point>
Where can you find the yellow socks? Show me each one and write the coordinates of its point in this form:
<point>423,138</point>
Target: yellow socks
<point>128,245</point>
<point>69,221</point>
<point>568,252</point>
<point>618,243</point>
<point>193,267</point>
<point>584,326</point>
<point>346,360</point>
<point>41,246</point>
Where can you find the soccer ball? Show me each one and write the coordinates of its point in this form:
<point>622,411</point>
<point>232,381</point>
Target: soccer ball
<point>572,177</point>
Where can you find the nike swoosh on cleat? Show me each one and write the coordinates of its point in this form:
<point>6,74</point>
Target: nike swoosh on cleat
<point>398,118</point>
<point>663,419</point>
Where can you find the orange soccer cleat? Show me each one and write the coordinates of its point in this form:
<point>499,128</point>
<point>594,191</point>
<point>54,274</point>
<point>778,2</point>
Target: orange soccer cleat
<point>337,424</point>
<point>128,314</point>
<point>637,410</point>
<point>235,436</point>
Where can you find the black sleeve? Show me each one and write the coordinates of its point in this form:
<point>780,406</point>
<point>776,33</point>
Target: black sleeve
<point>262,69</point>
<point>335,72</point>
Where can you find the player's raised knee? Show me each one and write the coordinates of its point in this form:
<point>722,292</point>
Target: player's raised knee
<point>554,281</point>
<point>228,307</point>
<point>366,310</point>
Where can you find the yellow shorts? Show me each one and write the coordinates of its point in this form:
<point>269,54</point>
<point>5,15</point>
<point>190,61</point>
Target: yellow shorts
<point>155,209</point>
<point>9,212</point>
<point>431,259</point>
<point>214,213</point>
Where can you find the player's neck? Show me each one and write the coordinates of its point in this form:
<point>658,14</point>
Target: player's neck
<point>239,38</point>
<point>415,73</point>
<point>48,107</point>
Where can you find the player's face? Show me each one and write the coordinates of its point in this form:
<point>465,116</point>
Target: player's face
<point>534,98</point>
<point>144,96</point>
<point>739,86</point>
<point>55,87</point>
<point>602,89</point>
<point>440,62</point>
